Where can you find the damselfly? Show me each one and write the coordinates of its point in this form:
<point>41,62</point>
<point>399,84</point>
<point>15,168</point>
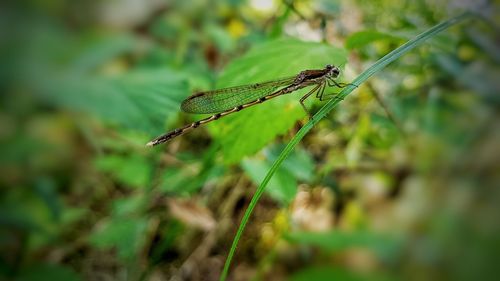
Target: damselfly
<point>225,101</point>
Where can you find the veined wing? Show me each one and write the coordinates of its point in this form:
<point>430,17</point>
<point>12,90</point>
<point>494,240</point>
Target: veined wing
<point>220,100</point>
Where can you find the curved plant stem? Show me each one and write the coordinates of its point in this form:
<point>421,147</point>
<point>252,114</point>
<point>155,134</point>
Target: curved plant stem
<point>379,65</point>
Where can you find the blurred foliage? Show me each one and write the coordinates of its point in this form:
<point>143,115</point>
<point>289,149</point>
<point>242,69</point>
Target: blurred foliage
<point>399,183</point>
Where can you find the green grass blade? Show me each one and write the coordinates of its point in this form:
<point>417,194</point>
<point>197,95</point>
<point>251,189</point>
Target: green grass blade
<point>379,65</point>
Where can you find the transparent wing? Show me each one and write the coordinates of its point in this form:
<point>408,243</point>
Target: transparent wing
<point>220,100</point>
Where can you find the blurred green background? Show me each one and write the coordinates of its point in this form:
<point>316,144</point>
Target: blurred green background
<point>400,182</point>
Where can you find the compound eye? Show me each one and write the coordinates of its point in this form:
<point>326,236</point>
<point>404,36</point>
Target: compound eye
<point>328,66</point>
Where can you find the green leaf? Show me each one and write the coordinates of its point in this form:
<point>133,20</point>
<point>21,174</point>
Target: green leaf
<point>127,235</point>
<point>250,130</point>
<point>133,171</point>
<point>141,99</point>
<point>43,272</point>
<point>191,177</point>
<point>186,180</point>
<point>129,205</point>
<point>299,164</point>
<point>86,74</point>
<point>282,188</point>
<point>74,214</point>
<point>35,217</point>
<point>362,38</point>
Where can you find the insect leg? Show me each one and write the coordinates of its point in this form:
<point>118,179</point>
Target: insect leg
<point>340,85</point>
<point>329,96</point>
<point>307,95</point>
<point>320,92</point>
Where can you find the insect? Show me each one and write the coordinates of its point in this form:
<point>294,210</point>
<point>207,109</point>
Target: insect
<point>225,101</point>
